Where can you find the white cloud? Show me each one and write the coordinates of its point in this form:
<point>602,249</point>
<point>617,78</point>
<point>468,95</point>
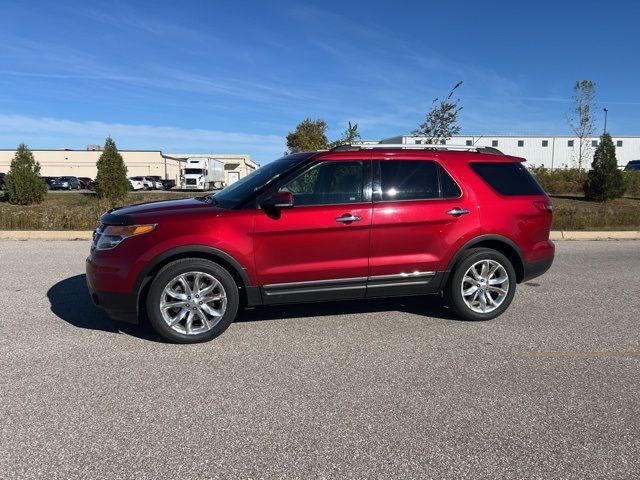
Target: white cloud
<point>42,132</point>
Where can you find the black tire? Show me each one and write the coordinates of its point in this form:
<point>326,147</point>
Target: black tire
<point>453,290</point>
<point>172,270</point>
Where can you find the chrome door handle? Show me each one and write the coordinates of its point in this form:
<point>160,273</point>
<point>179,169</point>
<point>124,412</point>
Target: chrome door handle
<point>348,218</point>
<point>456,212</point>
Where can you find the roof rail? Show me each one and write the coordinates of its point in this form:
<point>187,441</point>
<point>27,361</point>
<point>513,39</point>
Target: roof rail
<point>417,146</point>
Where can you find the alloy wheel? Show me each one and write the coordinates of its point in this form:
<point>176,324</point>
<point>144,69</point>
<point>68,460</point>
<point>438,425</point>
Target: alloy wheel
<point>485,286</point>
<point>193,303</point>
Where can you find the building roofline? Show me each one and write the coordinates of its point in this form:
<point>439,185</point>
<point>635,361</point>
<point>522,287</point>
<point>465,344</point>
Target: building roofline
<point>212,155</point>
<point>516,136</point>
<point>75,150</point>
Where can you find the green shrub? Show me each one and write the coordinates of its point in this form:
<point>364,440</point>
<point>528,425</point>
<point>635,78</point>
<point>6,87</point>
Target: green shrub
<point>23,185</point>
<point>560,181</point>
<point>111,185</point>
<point>632,183</point>
<point>604,180</point>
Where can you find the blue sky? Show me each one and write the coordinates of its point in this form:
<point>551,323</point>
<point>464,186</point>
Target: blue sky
<point>236,76</point>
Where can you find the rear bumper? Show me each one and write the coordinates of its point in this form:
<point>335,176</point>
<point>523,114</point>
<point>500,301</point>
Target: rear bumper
<point>120,306</point>
<point>536,268</point>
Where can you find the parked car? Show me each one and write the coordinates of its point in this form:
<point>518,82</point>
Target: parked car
<point>136,183</point>
<point>353,222</point>
<point>157,182</point>
<point>143,183</point>
<point>149,183</point>
<point>169,184</point>
<point>2,181</point>
<point>65,183</point>
<point>86,183</point>
<point>48,181</point>
<point>633,165</point>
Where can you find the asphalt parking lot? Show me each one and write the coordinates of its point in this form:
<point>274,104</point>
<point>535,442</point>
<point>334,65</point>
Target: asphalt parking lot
<point>388,389</point>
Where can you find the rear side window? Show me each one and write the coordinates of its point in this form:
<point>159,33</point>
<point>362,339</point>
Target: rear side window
<point>416,180</point>
<point>409,180</point>
<point>507,178</point>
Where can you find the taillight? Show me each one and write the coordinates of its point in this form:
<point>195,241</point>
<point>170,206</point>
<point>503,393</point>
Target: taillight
<point>544,205</point>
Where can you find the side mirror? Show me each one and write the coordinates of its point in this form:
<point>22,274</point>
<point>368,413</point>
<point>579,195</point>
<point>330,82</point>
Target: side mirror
<point>278,200</point>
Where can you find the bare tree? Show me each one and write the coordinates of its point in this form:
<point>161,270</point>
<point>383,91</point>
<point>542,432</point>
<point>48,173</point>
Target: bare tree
<point>581,120</point>
<point>441,121</point>
<point>350,135</point>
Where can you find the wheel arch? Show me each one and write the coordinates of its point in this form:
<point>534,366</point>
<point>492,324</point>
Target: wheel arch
<point>499,243</point>
<point>225,260</point>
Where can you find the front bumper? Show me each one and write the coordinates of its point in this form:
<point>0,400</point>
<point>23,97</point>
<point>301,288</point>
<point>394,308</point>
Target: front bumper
<point>120,306</point>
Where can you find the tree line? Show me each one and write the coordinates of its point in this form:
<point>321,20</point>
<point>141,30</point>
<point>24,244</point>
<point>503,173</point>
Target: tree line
<point>24,186</point>
<point>441,122</point>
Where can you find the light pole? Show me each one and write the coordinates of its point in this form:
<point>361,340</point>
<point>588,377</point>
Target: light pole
<point>606,111</point>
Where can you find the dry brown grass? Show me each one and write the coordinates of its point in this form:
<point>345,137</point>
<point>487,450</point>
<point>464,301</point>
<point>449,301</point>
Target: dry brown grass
<point>68,211</point>
<point>80,211</point>
<point>576,213</point>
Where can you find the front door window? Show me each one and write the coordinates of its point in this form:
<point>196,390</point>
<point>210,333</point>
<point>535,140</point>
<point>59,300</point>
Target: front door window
<point>329,183</point>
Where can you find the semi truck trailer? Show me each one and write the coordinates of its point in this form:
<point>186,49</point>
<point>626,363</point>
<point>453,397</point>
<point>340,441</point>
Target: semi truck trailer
<point>203,173</point>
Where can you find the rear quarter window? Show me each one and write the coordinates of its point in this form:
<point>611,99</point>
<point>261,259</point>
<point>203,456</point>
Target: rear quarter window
<point>507,178</point>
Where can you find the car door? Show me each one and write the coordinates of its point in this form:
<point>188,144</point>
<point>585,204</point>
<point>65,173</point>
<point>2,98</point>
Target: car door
<point>418,212</point>
<point>319,248</point>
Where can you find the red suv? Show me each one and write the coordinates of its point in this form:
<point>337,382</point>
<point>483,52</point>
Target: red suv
<point>352,222</point>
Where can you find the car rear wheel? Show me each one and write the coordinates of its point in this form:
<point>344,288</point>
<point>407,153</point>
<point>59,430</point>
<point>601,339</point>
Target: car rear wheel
<point>192,300</point>
<point>482,284</point>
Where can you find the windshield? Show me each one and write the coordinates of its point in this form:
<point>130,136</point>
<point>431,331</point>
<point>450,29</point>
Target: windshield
<point>241,190</point>
<point>192,171</point>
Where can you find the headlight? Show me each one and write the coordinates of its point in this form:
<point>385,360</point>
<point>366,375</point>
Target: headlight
<point>113,235</point>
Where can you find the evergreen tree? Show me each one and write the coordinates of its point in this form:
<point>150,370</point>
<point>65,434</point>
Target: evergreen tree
<point>23,185</point>
<point>308,135</point>
<point>111,181</point>
<point>604,180</point>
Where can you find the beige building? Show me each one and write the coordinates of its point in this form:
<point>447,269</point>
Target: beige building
<point>82,163</point>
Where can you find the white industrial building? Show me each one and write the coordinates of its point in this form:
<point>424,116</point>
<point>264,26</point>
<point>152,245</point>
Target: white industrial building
<point>550,151</point>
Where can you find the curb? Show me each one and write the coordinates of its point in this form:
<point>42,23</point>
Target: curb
<point>45,235</point>
<point>87,235</point>
<point>586,235</point>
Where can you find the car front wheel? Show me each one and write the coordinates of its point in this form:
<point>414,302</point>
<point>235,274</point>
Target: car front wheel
<point>192,300</point>
<point>482,284</point>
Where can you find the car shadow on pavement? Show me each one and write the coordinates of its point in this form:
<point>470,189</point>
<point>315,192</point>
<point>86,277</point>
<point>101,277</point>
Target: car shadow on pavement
<point>423,305</point>
<point>71,302</point>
